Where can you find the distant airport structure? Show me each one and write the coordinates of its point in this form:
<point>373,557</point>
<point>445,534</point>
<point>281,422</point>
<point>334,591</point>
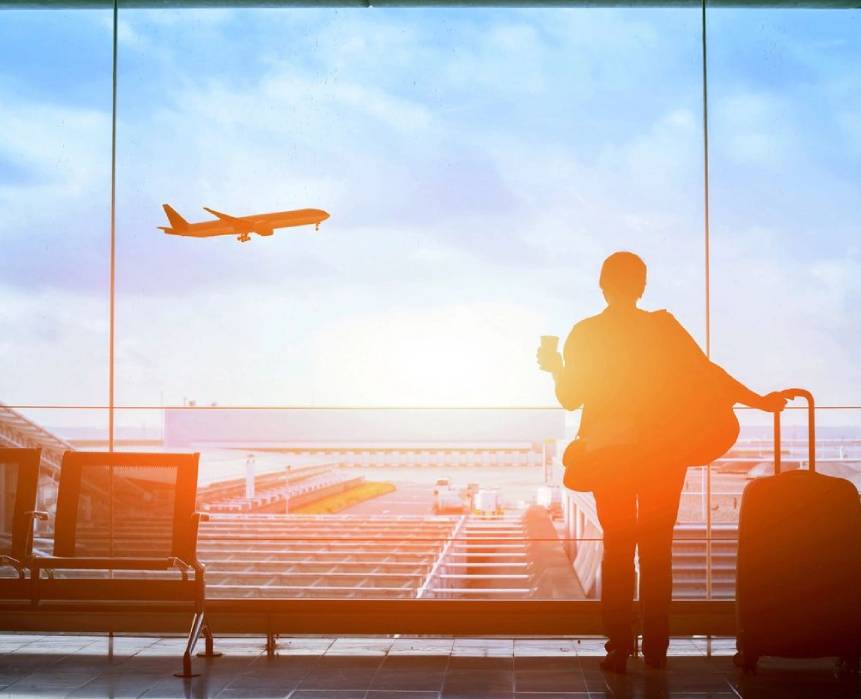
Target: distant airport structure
<point>369,437</point>
<point>241,226</point>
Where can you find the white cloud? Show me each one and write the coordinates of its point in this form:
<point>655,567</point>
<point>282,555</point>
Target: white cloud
<point>754,129</point>
<point>61,146</point>
<point>470,211</point>
<point>780,321</point>
<point>56,345</point>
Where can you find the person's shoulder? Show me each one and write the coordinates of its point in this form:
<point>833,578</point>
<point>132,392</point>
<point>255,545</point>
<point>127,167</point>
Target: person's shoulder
<point>667,326</point>
<point>661,314</point>
<point>587,325</point>
<point>582,331</point>
<point>664,317</point>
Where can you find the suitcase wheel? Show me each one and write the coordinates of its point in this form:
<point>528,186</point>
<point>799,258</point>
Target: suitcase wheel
<point>746,662</point>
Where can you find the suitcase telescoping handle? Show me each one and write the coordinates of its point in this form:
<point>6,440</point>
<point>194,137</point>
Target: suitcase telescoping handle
<point>789,394</point>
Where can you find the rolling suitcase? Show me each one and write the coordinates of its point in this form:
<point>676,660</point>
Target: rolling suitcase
<point>798,576</point>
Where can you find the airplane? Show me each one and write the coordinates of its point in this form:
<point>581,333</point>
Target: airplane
<point>242,226</point>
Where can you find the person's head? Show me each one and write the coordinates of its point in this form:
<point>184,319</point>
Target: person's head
<point>623,279</point>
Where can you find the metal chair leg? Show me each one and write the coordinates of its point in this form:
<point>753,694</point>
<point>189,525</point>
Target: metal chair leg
<point>193,636</point>
<point>209,641</point>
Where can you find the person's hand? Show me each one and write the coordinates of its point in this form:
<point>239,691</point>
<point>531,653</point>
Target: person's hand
<point>772,402</point>
<point>549,360</point>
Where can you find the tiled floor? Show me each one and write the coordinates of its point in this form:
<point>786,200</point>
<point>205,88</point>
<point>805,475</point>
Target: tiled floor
<point>403,668</point>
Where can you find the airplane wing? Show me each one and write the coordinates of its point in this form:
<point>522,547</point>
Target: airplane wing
<point>224,217</point>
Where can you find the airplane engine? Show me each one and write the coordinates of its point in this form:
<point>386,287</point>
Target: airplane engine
<point>265,231</point>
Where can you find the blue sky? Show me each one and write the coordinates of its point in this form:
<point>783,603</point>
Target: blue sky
<point>478,166</point>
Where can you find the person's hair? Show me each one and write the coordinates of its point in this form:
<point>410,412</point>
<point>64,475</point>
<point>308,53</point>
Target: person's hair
<point>623,274</point>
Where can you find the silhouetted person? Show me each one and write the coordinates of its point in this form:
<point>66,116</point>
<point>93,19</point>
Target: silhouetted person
<point>629,369</point>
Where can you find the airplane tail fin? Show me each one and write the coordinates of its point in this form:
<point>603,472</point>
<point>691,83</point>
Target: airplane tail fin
<point>177,222</point>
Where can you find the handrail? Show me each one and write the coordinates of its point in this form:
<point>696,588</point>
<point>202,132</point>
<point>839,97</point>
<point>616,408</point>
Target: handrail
<point>791,394</point>
<point>586,504</point>
<point>441,558</point>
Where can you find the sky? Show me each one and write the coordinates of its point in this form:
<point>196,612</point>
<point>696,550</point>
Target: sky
<point>478,166</point>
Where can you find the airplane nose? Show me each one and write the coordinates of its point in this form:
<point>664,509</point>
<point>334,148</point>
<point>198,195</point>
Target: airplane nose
<point>323,215</point>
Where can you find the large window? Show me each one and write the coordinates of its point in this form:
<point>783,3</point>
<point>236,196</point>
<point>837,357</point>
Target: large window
<point>365,396</point>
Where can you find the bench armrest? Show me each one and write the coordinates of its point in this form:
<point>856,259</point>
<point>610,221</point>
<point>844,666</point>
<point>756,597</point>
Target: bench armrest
<point>13,563</point>
<point>93,563</point>
<point>35,516</point>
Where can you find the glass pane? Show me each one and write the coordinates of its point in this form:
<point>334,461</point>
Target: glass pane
<point>55,106</point>
<point>501,147</point>
<point>478,166</point>
<point>786,172</point>
<point>351,503</point>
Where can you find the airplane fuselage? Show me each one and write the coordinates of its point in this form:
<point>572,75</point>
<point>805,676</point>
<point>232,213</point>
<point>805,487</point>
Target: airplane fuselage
<point>242,226</point>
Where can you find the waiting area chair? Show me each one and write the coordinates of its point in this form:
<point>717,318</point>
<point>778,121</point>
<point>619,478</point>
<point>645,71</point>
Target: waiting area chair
<point>19,479</point>
<point>126,535</point>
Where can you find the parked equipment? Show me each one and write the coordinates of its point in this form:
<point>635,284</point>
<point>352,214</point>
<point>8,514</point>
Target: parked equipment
<point>446,498</point>
<point>798,587</point>
<point>486,502</point>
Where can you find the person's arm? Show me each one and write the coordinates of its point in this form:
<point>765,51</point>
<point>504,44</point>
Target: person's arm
<point>771,402</point>
<point>566,371</point>
<point>569,383</point>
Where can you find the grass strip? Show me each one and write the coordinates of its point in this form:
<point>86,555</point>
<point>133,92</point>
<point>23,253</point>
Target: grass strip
<point>340,501</point>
